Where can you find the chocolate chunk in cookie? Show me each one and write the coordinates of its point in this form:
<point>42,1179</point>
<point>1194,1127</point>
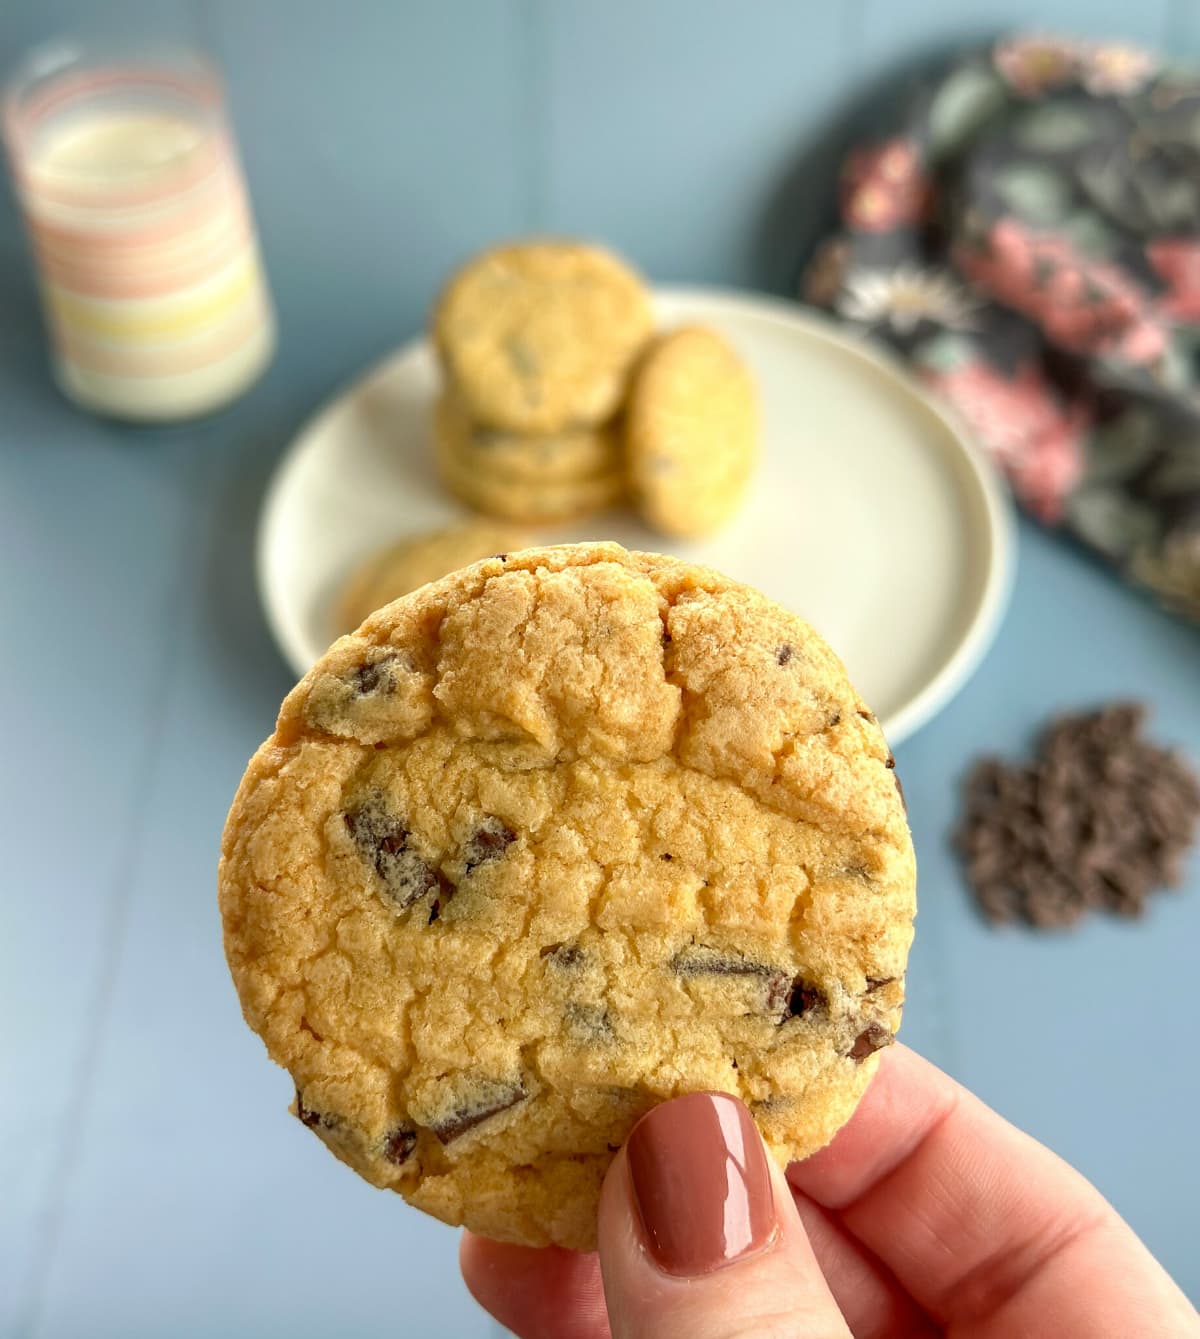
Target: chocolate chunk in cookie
<point>494,1098</point>
<point>804,999</point>
<point>874,1037</point>
<point>398,1145</point>
<point>489,841</point>
<point>382,840</point>
<point>699,961</point>
<point>563,955</point>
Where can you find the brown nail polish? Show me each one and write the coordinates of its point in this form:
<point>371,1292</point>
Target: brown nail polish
<point>701,1183</point>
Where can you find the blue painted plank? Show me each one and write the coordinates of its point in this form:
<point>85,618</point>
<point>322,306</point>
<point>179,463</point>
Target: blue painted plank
<point>88,568</point>
<point>189,1168</point>
<point>1184,30</point>
<point>689,136</point>
<point>381,148</point>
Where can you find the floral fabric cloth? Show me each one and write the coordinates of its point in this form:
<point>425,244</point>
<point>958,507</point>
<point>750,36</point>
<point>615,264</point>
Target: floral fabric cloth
<point>1031,244</point>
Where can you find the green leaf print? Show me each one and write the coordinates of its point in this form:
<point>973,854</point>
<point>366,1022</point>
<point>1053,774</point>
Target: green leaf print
<point>1111,521</point>
<point>961,107</point>
<point>1089,234</point>
<point>942,353</point>
<point>1053,128</point>
<point>1036,194</point>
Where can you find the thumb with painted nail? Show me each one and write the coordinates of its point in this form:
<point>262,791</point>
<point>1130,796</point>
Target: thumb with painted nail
<point>700,1237</point>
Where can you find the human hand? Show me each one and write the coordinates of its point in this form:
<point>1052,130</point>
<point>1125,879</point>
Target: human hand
<point>927,1215</point>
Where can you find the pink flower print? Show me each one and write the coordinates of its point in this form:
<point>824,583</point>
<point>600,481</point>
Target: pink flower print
<point>1083,305</point>
<point>1031,66</point>
<point>1025,427</point>
<point>1177,261</point>
<point>1045,477</point>
<point>1116,68</point>
<point>884,187</point>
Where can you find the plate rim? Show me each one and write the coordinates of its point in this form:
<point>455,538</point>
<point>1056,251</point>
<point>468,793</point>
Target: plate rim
<point>992,496</point>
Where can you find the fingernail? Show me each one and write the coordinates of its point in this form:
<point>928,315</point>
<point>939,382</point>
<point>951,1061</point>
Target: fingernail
<point>701,1184</point>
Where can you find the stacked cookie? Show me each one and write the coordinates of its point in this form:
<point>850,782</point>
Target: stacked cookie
<point>537,342</point>
<point>559,402</point>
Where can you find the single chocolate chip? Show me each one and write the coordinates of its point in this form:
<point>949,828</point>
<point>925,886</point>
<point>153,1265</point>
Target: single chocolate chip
<point>784,654</point>
<point>878,982</point>
<point>503,557</point>
<point>891,761</point>
<point>804,998</point>
<point>835,719</point>
<point>382,840</point>
<point>666,855</point>
<point>699,961</point>
<point>874,1037</point>
<point>563,955</point>
<point>710,962</point>
<point>399,1143</point>
<point>376,676</point>
<point>488,842</point>
<point>366,678</point>
<point>314,1120</point>
<point>588,1022</point>
<point>500,1098</point>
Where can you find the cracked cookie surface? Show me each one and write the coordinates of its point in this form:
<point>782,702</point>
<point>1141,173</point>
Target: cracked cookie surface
<point>546,842</point>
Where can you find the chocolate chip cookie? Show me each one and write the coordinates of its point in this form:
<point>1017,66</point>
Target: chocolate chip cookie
<point>416,559</point>
<point>566,456</point>
<point>560,836</point>
<point>540,336</point>
<point>524,500</point>
<point>692,432</point>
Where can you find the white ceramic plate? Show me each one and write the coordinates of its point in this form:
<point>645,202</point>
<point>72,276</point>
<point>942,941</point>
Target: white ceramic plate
<point>870,515</point>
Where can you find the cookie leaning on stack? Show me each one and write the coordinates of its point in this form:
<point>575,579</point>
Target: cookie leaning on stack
<point>691,432</point>
<point>536,341</point>
<point>548,841</point>
<point>526,477</point>
<point>410,562</point>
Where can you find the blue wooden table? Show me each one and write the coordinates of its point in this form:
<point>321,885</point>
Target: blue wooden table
<point>151,1182</point>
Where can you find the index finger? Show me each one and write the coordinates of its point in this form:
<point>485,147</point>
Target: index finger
<point>979,1221</point>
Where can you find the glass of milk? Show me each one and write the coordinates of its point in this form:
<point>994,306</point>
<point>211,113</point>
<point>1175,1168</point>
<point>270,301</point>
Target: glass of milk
<point>141,229</point>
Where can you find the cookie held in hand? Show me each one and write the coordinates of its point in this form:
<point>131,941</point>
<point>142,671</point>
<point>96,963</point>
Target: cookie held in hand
<point>551,840</point>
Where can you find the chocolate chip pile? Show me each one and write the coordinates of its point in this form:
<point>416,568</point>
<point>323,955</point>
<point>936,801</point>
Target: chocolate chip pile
<point>1100,818</point>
